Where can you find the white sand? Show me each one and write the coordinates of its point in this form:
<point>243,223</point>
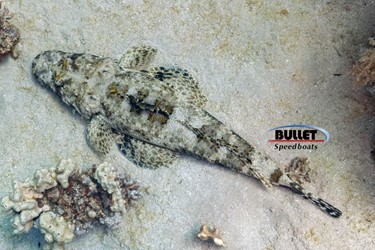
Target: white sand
<point>262,64</point>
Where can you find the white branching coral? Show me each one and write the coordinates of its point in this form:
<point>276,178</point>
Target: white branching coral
<point>64,201</point>
<point>23,203</point>
<point>45,179</point>
<point>107,178</point>
<point>66,169</point>
<point>105,175</point>
<point>56,230</point>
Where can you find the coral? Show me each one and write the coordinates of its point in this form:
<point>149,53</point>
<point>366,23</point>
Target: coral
<point>64,201</point>
<point>9,34</point>
<point>107,179</point>
<point>65,170</point>
<point>364,70</point>
<point>104,174</point>
<point>56,230</point>
<point>209,233</point>
<point>23,202</point>
<point>45,179</point>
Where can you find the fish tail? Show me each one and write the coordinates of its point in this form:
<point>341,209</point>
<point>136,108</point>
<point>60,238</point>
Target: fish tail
<point>323,205</point>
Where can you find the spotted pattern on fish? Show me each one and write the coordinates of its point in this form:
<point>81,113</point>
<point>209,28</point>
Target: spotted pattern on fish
<point>153,114</point>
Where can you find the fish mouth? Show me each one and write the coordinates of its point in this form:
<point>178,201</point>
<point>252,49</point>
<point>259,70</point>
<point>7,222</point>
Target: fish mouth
<point>36,68</point>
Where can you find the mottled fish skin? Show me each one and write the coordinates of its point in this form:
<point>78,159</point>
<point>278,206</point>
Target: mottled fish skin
<point>146,105</point>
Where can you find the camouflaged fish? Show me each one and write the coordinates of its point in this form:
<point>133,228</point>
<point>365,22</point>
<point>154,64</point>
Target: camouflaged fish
<point>153,114</point>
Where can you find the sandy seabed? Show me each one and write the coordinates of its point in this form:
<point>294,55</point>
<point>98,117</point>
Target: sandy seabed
<point>261,64</point>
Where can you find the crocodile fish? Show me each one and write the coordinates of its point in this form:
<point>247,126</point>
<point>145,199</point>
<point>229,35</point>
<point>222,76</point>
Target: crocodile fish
<point>153,114</point>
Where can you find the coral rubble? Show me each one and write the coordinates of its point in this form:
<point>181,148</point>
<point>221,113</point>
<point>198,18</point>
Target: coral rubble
<point>9,34</point>
<point>207,233</point>
<point>65,201</point>
<point>364,70</point>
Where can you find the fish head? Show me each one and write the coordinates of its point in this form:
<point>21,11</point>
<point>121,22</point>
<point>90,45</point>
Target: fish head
<point>78,79</point>
<point>49,67</point>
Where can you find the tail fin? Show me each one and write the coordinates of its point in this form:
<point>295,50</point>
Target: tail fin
<point>323,205</point>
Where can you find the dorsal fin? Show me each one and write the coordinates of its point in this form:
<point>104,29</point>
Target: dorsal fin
<point>138,57</point>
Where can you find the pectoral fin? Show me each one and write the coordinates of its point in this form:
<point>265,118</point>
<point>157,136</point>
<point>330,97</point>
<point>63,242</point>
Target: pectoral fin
<point>100,136</point>
<point>146,155</point>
